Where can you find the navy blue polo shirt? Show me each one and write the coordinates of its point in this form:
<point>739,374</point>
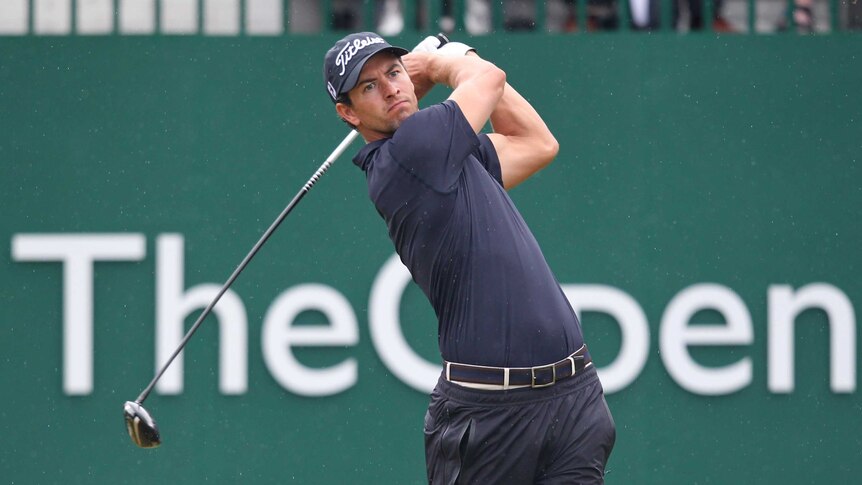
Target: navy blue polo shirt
<point>439,188</point>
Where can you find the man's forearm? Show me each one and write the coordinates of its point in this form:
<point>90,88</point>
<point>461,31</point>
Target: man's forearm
<point>515,116</point>
<point>454,71</point>
<point>477,84</point>
<point>524,143</point>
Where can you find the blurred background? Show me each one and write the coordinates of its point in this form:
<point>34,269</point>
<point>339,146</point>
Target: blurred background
<point>703,216</point>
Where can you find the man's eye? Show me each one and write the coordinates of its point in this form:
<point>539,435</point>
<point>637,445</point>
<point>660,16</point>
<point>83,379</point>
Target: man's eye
<point>394,73</point>
<point>369,87</point>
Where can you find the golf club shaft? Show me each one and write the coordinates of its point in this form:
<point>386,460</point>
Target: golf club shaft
<point>435,42</point>
<point>304,190</point>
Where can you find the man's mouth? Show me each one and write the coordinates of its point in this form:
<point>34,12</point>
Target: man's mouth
<point>397,104</point>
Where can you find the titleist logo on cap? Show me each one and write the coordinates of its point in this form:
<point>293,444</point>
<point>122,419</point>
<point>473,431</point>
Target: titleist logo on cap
<point>352,48</point>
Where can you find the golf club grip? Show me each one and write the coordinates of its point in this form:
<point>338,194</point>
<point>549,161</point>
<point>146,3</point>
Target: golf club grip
<point>304,190</point>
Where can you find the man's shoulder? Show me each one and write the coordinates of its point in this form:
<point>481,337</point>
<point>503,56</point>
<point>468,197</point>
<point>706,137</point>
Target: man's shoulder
<point>364,158</point>
<point>432,114</point>
<point>434,124</point>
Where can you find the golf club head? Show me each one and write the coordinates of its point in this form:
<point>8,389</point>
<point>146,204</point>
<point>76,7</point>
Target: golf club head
<point>141,426</point>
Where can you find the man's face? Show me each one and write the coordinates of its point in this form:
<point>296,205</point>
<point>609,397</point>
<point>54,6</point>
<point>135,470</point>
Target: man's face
<point>382,99</point>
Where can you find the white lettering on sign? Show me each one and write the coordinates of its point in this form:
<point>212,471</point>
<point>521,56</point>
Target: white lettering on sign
<point>784,306</point>
<point>676,335</point>
<point>79,252</point>
<point>174,304</point>
<point>279,335</point>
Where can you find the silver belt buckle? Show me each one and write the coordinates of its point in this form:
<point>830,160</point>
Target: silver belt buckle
<point>540,367</point>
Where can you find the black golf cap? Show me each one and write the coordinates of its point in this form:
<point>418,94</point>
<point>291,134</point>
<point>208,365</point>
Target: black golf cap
<point>344,61</point>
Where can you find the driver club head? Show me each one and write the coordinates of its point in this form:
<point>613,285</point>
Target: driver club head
<point>141,426</point>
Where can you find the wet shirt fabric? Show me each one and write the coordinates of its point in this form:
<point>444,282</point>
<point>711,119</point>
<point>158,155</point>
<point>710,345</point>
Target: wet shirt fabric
<point>439,188</point>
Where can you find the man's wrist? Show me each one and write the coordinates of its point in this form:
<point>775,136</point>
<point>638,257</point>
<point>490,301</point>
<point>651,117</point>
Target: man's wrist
<point>429,44</point>
<point>455,49</point>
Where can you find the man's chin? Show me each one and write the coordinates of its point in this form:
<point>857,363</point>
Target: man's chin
<point>402,113</point>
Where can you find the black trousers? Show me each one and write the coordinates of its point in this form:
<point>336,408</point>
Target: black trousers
<point>554,435</point>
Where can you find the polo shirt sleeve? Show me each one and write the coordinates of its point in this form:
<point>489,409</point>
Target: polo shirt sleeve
<point>487,156</point>
<point>434,144</point>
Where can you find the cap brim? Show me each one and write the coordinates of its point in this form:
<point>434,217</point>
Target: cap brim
<point>352,78</point>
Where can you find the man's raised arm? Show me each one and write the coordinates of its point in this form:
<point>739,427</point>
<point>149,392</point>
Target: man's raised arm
<point>523,142</point>
<point>477,84</point>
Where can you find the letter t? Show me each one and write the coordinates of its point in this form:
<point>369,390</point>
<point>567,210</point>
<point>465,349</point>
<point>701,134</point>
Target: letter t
<point>78,252</point>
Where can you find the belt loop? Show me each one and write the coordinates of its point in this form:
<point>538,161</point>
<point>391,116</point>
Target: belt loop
<point>505,378</point>
<point>448,366</point>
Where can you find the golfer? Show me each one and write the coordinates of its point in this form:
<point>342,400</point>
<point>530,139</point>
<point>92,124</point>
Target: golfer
<point>519,400</point>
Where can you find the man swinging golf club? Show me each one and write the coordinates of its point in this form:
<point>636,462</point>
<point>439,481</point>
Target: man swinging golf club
<point>519,400</point>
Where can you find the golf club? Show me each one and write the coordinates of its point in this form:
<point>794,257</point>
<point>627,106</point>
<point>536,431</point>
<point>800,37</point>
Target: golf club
<point>141,426</point>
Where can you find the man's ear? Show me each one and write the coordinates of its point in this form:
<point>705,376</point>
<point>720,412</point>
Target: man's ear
<point>347,113</point>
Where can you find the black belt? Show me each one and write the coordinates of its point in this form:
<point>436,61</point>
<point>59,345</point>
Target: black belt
<point>506,377</point>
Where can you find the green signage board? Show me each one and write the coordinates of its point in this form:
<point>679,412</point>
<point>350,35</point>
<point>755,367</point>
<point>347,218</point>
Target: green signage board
<point>703,216</point>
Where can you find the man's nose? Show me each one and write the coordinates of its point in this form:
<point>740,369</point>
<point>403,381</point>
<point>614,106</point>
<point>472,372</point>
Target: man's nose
<point>389,88</point>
